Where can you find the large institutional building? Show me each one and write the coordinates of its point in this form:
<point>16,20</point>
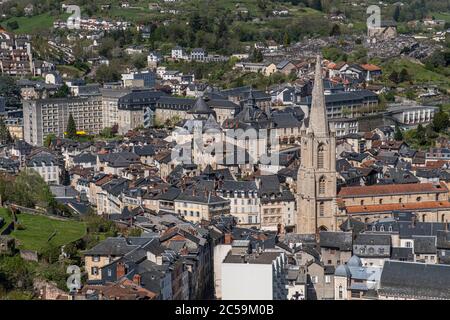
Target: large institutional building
<point>316,199</point>
<point>50,116</point>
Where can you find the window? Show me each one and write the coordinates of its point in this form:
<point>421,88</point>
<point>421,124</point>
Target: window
<point>322,184</point>
<point>380,201</point>
<point>314,279</point>
<point>94,271</point>
<point>327,279</point>
<point>418,199</point>
<point>408,244</point>
<point>96,258</point>
<point>341,291</point>
<point>321,209</point>
<point>362,202</point>
<point>320,156</point>
<point>109,272</point>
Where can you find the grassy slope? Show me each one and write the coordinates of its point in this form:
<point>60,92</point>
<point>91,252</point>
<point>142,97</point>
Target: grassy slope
<point>32,24</point>
<point>418,72</point>
<point>38,229</point>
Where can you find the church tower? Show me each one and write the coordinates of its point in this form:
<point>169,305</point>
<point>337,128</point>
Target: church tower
<point>316,180</point>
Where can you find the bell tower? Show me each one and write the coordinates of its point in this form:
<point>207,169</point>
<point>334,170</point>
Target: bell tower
<point>316,180</point>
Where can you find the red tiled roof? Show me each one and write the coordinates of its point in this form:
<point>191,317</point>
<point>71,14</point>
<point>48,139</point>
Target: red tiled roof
<point>398,206</point>
<point>370,67</point>
<point>376,190</point>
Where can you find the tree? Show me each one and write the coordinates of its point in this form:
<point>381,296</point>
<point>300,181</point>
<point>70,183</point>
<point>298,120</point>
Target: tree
<point>420,135</point>
<point>396,14</point>
<point>287,39</point>
<point>404,76</point>
<point>335,30</point>
<point>49,139</point>
<point>139,61</point>
<point>394,77</point>
<point>398,135</point>
<point>257,56</point>
<point>30,190</point>
<point>106,73</point>
<point>441,121</point>
<point>62,92</point>
<point>316,4</point>
<point>71,128</point>
<point>10,90</point>
<point>5,135</point>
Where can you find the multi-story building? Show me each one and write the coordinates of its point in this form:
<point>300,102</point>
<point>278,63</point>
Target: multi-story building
<point>47,165</point>
<point>256,276</point>
<point>244,201</point>
<point>110,104</point>
<point>196,206</point>
<point>50,116</point>
<point>136,109</point>
<point>15,54</point>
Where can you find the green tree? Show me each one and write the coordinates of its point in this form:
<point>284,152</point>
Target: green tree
<point>5,135</point>
<point>71,128</point>
<point>396,14</point>
<point>441,121</point>
<point>30,190</point>
<point>398,135</point>
<point>10,90</point>
<point>335,30</point>
<point>404,76</point>
<point>286,39</point>
<point>106,73</point>
<point>49,139</point>
<point>316,4</point>
<point>420,135</point>
<point>394,77</point>
<point>62,92</point>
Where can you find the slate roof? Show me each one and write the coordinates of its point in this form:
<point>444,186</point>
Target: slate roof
<point>340,240</point>
<point>401,253</point>
<point>111,247</point>
<point>418,280</point>
<point>373,239</point>
<point>424,245</point>
<point>85,157</point>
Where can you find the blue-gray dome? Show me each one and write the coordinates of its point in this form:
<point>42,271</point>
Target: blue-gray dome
<point>354,261</point>
<point>342,271</point>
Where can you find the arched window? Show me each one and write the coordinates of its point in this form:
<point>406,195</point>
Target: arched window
<point>340,292</point>
<point>322,184</point>
<point>320,156</point>
<point>400,200</point>
<point>382,228</point>
<point>321,209</point>
<point>418,199</point>
<point>362,202</point>
<point>424,218</point>
<point>380,201</point>
<point>443,218</point>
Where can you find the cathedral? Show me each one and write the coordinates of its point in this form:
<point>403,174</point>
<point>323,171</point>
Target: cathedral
<point>316,189</point>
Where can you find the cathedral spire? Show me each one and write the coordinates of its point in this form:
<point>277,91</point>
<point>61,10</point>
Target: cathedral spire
<point>318,114</point>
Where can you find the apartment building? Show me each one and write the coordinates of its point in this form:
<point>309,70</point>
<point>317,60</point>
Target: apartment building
<point>50,116</point>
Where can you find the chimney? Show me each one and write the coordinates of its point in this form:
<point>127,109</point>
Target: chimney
<point>120,270</point>
<point>137,279</point>
<point>228,238</point>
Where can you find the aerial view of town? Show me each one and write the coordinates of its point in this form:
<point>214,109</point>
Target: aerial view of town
<point>224,150</point>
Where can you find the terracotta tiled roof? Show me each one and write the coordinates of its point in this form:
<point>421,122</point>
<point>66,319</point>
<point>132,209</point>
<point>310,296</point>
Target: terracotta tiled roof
<point>370,67</point>
<point>398,206</point>
<point>377,190</point>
